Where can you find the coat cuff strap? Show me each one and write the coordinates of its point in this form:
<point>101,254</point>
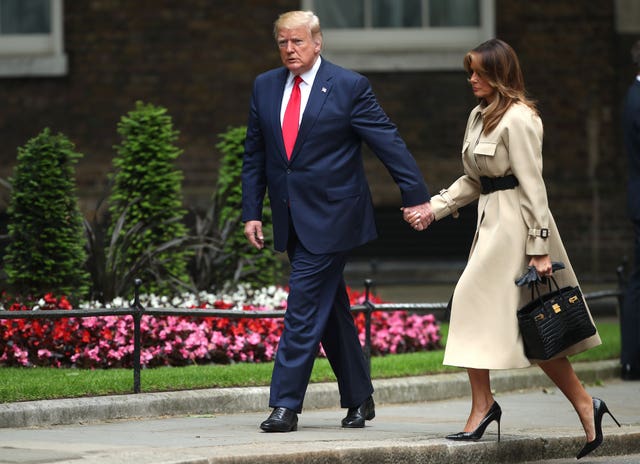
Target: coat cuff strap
<point>542,233</point>
<point>452,205</point>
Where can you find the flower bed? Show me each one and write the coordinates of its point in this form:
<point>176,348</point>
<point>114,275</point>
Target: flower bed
<point>107,341</point>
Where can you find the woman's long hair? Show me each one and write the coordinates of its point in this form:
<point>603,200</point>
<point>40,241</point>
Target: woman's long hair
<point>498,64</point>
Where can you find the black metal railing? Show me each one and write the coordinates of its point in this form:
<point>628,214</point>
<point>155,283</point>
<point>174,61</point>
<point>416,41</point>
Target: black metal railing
<point>137,310</point>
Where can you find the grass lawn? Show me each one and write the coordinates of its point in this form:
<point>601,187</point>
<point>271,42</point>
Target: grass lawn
<point>23,384</point>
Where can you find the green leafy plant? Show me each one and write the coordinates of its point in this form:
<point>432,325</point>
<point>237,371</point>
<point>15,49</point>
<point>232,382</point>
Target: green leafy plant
<point>5,189</point>
<point>46,249</point>
<point>208,264</point>
<point>113,272</point>
<point>146,199</point>
<point>241,260</point>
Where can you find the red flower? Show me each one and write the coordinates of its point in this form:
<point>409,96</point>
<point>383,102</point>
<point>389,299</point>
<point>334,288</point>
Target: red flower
<point>219,304</point>
<point>106,334</point>
<point>174,340</point>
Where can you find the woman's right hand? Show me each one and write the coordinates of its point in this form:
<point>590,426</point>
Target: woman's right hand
<point>543,265</point>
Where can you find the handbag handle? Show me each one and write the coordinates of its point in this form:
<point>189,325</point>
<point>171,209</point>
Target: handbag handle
<point>531,275</point>
<point>549,279</point>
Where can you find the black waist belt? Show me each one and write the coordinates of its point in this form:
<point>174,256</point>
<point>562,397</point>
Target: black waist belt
<point>492,184</point>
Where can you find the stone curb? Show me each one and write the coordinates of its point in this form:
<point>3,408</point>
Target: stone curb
<point>516,450</point>
<point>254,399</point>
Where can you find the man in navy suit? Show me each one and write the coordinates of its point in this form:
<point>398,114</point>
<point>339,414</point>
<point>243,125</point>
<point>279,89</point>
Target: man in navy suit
<point>321,208</point>
<point>630,317</point>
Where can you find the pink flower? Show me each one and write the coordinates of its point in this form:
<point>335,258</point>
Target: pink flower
<point>96,342</point>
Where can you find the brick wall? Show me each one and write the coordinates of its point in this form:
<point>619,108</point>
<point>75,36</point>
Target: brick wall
<point>198,58</point>
<point>567,49</point>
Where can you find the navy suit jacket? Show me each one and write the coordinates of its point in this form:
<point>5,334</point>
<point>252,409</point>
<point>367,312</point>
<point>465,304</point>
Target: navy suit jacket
<point>631,127</point>
<point>322,188</point>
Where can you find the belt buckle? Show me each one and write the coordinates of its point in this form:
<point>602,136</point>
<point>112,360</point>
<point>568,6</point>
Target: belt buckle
<point>487,184</point>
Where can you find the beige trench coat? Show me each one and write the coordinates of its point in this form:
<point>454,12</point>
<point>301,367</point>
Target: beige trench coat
<point>483,330</point>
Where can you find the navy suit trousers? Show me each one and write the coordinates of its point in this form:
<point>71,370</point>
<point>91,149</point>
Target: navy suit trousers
<point>318,311</point>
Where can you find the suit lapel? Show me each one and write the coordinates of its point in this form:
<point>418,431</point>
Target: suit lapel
<point>276,104</point>
<point>319,92</point>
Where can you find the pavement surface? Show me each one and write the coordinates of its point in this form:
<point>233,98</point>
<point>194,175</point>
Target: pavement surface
<point>626,459</point>
<point>412,417</point>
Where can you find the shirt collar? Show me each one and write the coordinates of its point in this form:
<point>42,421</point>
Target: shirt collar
<point>309,76</point>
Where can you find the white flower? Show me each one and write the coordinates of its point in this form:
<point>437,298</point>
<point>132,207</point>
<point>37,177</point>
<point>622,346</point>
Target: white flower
<point>240,296</point>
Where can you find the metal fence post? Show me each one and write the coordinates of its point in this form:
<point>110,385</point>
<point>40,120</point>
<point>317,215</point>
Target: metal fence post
<point>367,322</point>
<point>138,309</point>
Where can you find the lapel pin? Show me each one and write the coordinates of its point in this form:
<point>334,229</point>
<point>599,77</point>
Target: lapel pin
<point>324,90</point>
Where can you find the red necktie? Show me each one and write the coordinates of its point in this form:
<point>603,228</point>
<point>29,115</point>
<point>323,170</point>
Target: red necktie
<point>291,118</point>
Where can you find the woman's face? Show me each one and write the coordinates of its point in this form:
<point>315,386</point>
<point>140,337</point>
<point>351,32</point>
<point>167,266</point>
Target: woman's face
<point>479,85</point>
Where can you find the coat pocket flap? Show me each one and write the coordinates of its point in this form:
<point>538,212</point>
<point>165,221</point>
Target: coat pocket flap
<point>345,191</point>
<point>485,148</point>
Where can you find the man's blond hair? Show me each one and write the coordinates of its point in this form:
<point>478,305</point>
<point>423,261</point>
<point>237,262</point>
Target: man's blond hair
<point>295,19</point>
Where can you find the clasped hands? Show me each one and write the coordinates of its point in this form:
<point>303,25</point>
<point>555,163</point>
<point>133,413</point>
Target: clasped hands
<point>419,216</point>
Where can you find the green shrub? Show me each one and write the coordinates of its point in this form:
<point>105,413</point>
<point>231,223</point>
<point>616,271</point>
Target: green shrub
<point>146,198</point>
<point>241,262</point>
<point>5,195</point>
<point>46,249</point>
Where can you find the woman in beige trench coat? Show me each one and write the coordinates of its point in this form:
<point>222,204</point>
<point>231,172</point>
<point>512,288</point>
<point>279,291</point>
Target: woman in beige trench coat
<point>502,158</point>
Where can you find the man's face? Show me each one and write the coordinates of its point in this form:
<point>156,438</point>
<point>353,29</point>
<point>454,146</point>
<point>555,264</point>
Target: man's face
<point>298,50</point>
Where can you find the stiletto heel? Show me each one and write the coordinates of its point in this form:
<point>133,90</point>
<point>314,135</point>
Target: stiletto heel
<point>599,410</point>
<point>494,414</point>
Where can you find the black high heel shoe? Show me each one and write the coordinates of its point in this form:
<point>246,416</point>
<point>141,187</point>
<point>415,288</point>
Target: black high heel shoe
<point>494,414</point>
<point>599,409</point>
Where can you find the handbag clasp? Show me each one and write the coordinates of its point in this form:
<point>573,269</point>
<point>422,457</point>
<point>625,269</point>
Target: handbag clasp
<point>556,308</point>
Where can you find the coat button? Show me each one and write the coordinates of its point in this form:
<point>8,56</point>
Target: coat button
<point>288,171</point>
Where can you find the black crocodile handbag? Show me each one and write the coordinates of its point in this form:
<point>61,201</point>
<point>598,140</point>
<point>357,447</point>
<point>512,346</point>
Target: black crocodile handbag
<point>552,322</point>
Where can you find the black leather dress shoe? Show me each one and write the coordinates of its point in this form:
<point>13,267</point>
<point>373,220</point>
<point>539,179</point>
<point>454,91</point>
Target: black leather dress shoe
<point>281,420</point>
<point>356,416</point>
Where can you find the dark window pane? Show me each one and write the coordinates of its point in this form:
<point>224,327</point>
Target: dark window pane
<point>454,13</point>
<point>25,16</point>
<point>340,14</point>
<point>396,13</point>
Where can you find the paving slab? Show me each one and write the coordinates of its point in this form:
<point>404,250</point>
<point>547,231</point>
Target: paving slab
<point>538,423</point>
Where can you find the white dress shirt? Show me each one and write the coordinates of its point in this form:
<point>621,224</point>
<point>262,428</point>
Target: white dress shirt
<point>305,89</point>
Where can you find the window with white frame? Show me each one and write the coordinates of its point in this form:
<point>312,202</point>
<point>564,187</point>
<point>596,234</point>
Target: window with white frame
<point>627,16</point>
<point>386,35</point>
<point>31,38</point>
